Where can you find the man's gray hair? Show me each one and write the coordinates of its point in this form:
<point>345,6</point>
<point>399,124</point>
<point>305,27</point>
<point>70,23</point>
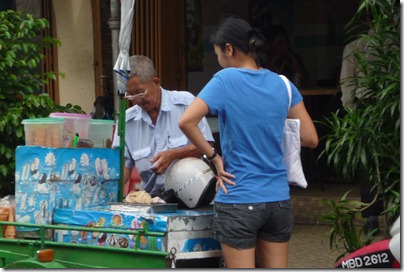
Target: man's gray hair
<point>142,67</point>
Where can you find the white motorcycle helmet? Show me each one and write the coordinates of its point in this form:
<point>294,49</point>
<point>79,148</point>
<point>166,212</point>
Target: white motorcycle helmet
<point>192,181</point>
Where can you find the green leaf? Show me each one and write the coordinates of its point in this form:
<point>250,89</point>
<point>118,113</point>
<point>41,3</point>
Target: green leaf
<point>9,61</point>
<point>32,63</point>
<point>13,77</point>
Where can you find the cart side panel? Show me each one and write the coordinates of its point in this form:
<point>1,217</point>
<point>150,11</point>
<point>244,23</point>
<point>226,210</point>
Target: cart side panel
<point>78,178</point>
<point>81,256</point>
<point>192,241</point>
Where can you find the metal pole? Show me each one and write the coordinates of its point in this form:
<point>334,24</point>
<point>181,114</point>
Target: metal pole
<point>121,133</point>
<point>114,24</point>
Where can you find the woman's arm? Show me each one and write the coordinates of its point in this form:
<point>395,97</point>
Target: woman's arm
<point>308,133</point>
<point>188,123</point>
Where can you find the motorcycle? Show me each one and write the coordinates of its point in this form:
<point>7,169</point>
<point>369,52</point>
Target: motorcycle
<point>382,254</point>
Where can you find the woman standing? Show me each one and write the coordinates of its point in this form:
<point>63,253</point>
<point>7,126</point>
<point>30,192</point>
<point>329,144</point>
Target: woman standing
<point>252,204</point>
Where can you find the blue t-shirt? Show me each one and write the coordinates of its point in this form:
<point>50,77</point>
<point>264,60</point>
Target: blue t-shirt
<point>252,107</point>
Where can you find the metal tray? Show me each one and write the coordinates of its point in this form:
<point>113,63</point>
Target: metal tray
<point>143,208</point>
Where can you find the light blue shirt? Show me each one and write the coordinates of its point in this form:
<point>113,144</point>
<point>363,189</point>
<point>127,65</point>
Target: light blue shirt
<point>144,140</point>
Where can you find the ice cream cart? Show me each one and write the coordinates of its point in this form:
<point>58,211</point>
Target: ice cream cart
<point>66,203</point>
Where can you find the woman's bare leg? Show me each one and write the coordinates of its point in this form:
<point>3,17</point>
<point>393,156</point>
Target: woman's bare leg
<point>238,258</point>
<point>272,254</point>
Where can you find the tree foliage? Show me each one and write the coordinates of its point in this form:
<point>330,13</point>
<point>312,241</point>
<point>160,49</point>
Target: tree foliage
<point>21,79</point>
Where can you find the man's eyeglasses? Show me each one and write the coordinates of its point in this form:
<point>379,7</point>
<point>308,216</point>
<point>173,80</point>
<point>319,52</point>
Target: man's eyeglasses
<point>133,97</point>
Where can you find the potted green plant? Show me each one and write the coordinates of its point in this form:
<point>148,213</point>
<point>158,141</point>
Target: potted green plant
<point>368,136</point>
<point>21,46</point>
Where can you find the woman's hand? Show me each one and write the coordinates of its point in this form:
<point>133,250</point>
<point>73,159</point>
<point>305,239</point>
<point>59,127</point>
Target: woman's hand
<point>222,176</point>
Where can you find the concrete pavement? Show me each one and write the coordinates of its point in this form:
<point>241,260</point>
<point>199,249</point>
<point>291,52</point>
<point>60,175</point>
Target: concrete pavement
<point>309,247</point>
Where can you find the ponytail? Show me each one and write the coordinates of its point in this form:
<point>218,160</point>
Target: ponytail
<point>242,36</point>
<point>257,46</point>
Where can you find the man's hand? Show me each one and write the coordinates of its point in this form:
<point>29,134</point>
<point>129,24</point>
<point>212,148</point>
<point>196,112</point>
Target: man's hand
<point>162,161</point>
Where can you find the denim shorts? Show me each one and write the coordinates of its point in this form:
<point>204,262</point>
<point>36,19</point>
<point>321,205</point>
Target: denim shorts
<point>239,225</point>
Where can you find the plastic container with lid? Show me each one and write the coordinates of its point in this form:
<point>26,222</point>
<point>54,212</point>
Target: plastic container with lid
<point>100,132</point>
<point>73,123</point>
<point>47,132</point>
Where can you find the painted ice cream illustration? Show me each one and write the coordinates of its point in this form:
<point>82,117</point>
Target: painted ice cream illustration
<point>116,220</point>
<point>72,166</point>
<point>65,170</point>
<point>30,170</point>
<point>42,186</point>
<point>77,185</point>
<point>100,223</point>
<point>104,166</point>
<point>37,217</point>
<point>101,167</point>
<point>25,171</point>
<point>102,237</point>
<point>23,201</point>
<point>113,240</point>
<point>40,216</point>
<point>123,242</point>
<point>34,168</point>
<point>43,205</point>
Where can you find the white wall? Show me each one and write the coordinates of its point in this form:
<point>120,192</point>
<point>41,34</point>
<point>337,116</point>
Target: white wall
<point>76,54</point>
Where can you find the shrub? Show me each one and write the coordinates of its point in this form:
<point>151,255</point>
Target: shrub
<point>21,46</point>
